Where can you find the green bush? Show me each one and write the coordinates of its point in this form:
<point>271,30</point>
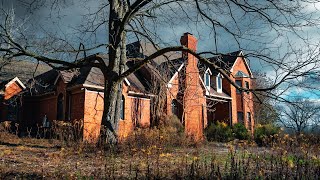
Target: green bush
<point>219,131</point>
<point>264,133</point>
<point>240,132</point>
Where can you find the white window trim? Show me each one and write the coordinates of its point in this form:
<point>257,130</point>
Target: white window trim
<point>208,71</point>
<point>219,90</point>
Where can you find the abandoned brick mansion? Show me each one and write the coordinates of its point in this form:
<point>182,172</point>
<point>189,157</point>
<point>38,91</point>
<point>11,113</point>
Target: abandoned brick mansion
<point>195,94</point>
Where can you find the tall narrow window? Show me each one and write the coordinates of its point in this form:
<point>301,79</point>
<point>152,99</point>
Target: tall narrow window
<point>247,86</point>
<point>239,83</point>
<point>207,79</point>
<point>60,107</point>
<point>174,107</point>
<point>122,108</point>
<point>219,83</point>
<point>240,117</point>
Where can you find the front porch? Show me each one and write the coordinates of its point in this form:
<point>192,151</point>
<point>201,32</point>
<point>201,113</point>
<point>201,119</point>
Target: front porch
<point>219,108</point>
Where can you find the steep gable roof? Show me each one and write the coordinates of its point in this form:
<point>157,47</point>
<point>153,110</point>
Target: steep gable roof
<point>227,61</point>
<point>91,76</point>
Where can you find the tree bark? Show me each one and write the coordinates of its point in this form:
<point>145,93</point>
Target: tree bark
<point>113,85</point>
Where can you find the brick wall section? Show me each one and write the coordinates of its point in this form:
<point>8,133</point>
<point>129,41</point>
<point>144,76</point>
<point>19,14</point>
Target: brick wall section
<point>11,90</point>
<point>93,111</point>
<point>194,99</point>
<point>36,107</point>
<point>77,104</point>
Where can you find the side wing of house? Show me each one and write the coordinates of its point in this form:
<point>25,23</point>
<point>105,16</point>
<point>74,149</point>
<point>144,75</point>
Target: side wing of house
<point>242,103</point>
<point>134,112</point>
<point>58,103</point>
<point>9,107</point>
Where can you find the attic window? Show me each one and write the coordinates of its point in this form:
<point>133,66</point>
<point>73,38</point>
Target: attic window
<point>219,83</point>
<point>241,74</point>
<point>207,75</point>
<point>207,79</point>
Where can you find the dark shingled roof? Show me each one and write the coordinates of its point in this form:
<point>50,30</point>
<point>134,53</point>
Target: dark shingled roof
<point>45,82</point>
<point>163,67</point>
<point>225,61</point>
<point>42,83</point>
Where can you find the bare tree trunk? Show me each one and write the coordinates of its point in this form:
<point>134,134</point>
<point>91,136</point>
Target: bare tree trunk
<point>108,118</point>
<point>117,59</point>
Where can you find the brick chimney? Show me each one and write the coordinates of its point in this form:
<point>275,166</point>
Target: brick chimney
<point>194,100</point>
<point>190,42</point>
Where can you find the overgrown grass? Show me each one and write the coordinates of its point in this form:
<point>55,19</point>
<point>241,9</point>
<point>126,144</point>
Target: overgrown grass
<point>159,153</point>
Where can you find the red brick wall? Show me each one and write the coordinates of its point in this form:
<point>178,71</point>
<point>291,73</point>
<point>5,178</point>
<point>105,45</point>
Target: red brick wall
<point>93,111</point>
<point>241,102</point>
<point>34,109</point>
<point>77,104</point>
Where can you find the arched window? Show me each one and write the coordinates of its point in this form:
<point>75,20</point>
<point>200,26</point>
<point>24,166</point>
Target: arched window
<point>122,108</point>
<point>207,79</point>
<point>60,107</point>
<point>174,107</point>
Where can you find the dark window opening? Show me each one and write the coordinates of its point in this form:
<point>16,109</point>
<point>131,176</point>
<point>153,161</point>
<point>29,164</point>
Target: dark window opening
<point>60,107</point>
<point>240,117</point>
<point>174,107</point>
<point>122,108</point>
<point>247,86</point>
<point>239,83</point>
<point>207,79</point>
<point>219,83</point>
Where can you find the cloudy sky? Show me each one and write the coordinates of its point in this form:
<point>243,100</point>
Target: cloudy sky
<point>66,19</point>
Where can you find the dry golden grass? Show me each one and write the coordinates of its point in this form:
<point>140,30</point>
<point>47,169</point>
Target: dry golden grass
<point>29,158</point>
<point>37,158</point>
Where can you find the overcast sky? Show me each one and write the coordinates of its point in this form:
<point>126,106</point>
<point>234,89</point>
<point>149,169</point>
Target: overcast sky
<point>64,20</point>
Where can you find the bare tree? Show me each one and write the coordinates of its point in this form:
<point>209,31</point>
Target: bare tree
<point>237,21</point>
<point>265,110</point>
<point>300,115</point>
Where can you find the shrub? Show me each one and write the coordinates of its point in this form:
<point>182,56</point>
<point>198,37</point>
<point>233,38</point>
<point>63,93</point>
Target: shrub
<point>263,133</point>
<point>240,131</point>
<point>169,134</point>
<point>174,122</point>
<point>219,131</point>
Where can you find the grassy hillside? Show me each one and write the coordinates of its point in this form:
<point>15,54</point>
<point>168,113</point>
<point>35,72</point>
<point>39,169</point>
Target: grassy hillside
<point>22,69</point>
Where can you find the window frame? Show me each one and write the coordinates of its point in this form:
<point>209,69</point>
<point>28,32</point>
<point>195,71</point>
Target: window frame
<point>122,108</point>
<point>239,84</point>
<point>219,83</point>
<point>240,114</point>
<point>247,85</point>
<point>207,78</point>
